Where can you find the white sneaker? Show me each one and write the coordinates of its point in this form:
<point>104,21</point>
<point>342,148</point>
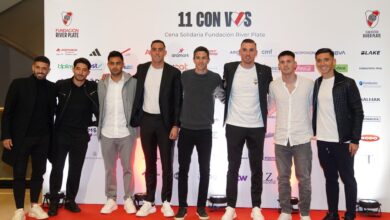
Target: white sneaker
<point>109,207</point>
<point>256,214</point>
<point>167,210</point>
<point>129,206</point>
<point>146,209</point>
<point>19,215</point>
<point>305,217</point>
<point>37,212</point>
<point>284,216</point>
<point>230,214</point>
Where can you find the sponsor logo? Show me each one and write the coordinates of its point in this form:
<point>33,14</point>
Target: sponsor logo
<point>370,137</point>
<point>274,69</point>
<point>370,52</point>
<point>215,19</point>
<point>370,68</point>
<point>339,52</point>
<point>305,68</point>
<point>372,119</point>
<point>269,135</point>
<point>304,52</point>
<point>267,52</point>
<point>126,52</point>
<point>268,178</point>
<point>369,84</point>
<point>181,67</point>
<point>66,18</point>
<point>242,178</point>
<point>269,158</point>
<point>92,131</point>
<point>180,53</point>
<point>96,66</point>
<point>128,67</point>
<point>63,66</point>
<point>372,20</point>
<point>95,53</point>
<point>213,52</point>
<point>342,68</point>
<point>371,99</point>
<point>176,176</point>
<point>66,51</point>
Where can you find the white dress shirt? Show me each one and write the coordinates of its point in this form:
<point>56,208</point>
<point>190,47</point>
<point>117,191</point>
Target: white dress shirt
<point>114,123</point>
<point>152,90</point>
<point>244,105</point>
<point>293,111</point>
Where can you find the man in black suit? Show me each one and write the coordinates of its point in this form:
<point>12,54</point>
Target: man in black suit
<point>26,131</point>
<point>156,110</point>
<point>246,84</point>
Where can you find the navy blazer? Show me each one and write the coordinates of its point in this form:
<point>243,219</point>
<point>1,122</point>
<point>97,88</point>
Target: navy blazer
<point>264,77</point>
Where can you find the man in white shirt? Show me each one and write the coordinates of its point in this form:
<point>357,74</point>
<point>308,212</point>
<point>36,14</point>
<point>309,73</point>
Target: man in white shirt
<point>157,111</point>
<point>291,97</point>
<point>337,124</point>
<point>116,96</point>
<point>246,84</point>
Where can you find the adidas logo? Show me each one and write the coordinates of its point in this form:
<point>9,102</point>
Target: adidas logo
<point>95,53</point>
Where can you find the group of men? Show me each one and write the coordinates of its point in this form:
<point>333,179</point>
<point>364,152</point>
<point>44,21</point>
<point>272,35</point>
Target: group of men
<point>166,104</point>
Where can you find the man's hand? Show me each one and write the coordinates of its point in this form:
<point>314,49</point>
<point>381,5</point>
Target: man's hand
<point>7,143</point>
<point>174,133</point>
<point>353,148</point>
<point>104,76</point>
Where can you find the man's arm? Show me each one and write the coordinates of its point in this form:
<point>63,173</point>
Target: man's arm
<point>8,114</point>
<point>355,105</point>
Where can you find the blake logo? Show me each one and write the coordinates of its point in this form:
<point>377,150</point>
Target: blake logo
<point>66,17</point>
<point>372,18</point>
<point>370,138</point>
<point>370,52</point>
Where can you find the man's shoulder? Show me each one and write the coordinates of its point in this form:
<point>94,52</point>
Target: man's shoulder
<point>171,68</point>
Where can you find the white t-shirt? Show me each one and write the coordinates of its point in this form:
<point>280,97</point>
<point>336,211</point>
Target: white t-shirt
<point>152,90</point>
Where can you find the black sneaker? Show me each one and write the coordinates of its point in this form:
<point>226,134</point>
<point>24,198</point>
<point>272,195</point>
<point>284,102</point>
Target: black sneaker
<point>181,213</point>
<point>53,207</point>
<point>349,216</point>
<point>331,216</point>
<point>201,212</point>
<point>72,206</point>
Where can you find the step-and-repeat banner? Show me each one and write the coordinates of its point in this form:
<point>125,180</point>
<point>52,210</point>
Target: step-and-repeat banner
<point>355,30</point>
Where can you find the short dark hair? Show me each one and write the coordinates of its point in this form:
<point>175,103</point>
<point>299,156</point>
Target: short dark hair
<point>157,41</point>
<point>286,53</point>
<point>42,59</point>
<point>248,40</point>
<point>203,49</point>
<point>115,53</point>
<point>83,61</point>
<point>325,50</point>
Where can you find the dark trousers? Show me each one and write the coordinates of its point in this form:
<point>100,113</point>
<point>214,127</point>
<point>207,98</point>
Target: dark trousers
<point>236,137</point>
<point>77,147</point>
<point>153,134</point>
<point>335,160</point>
<point>202,139</point>
<point>37,148</point>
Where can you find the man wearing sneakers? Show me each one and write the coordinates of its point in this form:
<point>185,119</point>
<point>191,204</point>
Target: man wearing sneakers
<point>291,97</point>
<point>26,131</point>
<point>156,111</point>
<point>116,96</point>
<point>246,85</point>
<point>200,85</point>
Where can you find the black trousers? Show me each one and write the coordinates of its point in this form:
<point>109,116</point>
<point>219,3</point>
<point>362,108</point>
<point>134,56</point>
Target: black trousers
<point>37,148</point>
<point>153,134</point>
<point>236,137</point>
<point>76,147</point>
<point>202,139</point>
<point>335,160</point>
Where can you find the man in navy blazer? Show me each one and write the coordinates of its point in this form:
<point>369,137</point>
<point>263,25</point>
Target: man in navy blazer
<point>246,84</point>
<point>156,110</point>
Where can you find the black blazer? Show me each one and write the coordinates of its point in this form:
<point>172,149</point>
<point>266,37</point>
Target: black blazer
<point>170,97</point>
<point>264,77</point>
<point>18,109</point>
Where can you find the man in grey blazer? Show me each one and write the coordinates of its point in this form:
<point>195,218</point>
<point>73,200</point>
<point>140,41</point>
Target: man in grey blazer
<point>246,84</point>
<point>116,96</point>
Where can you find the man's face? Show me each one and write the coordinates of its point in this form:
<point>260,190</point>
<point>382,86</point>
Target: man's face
<point>287,65</point>
<point>157,52</point>
<point>40,70</point>
<point>248,53</point>
<point>115,64</point>
<point>325,63</point>
<point>80,72</point>
<point>201,60</point>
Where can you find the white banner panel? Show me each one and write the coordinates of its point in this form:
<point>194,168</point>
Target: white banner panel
<point>356,30</point>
